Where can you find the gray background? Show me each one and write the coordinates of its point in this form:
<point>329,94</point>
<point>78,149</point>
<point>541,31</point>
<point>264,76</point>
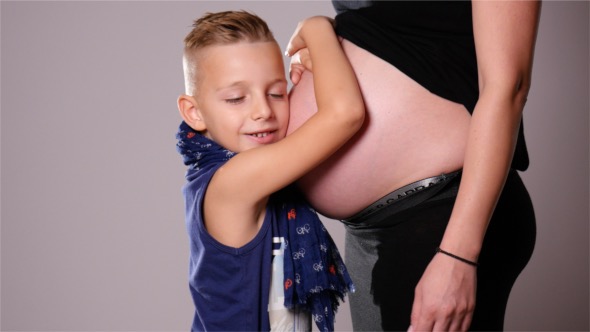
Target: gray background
<point>92,232</point>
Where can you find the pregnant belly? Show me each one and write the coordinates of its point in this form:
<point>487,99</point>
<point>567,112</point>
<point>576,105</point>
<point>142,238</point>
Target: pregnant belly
<point>409,134</point>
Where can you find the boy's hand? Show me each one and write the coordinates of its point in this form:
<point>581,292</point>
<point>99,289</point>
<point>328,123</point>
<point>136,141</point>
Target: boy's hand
<point>297,48</point>
<point>300,62</point>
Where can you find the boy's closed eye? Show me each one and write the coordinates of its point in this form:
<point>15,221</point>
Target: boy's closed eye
<point>235,100</point>
<point>276,95</point>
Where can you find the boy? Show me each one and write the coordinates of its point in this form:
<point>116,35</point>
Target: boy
<point>235,114</point>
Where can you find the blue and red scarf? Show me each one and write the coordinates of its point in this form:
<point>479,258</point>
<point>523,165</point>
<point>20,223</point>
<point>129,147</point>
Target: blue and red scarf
<point>315,277</point>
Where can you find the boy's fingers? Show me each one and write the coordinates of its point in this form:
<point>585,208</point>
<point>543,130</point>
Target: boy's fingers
<point>295,72</point>
<point>296,58</point>
<point>294,44</point>
<point>289,50</point>
<point>293,47</point>
<point>304,59</point>
<point>295,76</point>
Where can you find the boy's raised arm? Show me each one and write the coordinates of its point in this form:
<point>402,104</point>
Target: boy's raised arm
<point>245,182</point>
<point>336,87</point>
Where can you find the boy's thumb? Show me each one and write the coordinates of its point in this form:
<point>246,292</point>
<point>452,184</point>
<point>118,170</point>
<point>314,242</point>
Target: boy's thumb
<point>288,50</point>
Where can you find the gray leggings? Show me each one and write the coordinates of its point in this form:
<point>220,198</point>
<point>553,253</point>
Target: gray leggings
<point>386,257</point>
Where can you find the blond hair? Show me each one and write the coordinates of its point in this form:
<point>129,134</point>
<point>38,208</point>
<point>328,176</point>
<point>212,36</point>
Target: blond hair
<point>220,28</point>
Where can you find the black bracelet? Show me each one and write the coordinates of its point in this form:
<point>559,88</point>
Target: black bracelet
<point>438,249</point>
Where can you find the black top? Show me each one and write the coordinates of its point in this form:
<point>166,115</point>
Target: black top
<point>429,41</point>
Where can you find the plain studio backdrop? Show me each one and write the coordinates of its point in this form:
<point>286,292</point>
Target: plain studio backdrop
<point>93,234</point>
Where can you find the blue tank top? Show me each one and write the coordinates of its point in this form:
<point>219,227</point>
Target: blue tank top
<point>231,287</point>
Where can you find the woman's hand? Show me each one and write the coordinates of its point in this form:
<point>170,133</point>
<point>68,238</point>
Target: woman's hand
<point>445,296</point>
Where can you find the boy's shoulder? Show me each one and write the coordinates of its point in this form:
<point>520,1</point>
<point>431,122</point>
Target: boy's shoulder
<point>198,178</point>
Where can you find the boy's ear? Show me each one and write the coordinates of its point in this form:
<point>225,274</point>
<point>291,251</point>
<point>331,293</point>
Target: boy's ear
<point>190,113</point>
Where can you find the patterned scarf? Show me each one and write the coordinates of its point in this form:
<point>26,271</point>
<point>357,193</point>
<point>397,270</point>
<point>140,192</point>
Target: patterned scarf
<point>315,277</point>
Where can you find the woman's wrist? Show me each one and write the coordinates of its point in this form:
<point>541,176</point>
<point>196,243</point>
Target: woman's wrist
<point>467,247</point>
<point>459,258</point>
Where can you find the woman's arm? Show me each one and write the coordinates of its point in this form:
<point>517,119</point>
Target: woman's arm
<point>505,33</point>
<point>241,187</point>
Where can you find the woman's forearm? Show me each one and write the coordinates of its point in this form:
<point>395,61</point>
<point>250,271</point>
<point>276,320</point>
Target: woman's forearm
<point>505,33</point>
<point>492,138</point>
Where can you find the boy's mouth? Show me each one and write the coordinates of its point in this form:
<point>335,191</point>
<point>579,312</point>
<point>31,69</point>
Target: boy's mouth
<point>264,137</point>
<point>260,134</point>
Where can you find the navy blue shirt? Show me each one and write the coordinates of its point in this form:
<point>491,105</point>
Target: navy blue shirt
<point>231,287</point>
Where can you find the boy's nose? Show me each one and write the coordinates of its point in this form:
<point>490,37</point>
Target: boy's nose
<point>262,110</point>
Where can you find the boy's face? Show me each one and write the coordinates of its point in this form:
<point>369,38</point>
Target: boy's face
<point>242,94</point>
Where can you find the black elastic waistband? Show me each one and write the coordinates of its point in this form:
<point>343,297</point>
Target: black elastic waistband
<point>397,197</point>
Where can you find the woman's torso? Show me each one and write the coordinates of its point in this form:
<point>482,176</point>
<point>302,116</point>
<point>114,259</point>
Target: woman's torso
<point>409,134</point>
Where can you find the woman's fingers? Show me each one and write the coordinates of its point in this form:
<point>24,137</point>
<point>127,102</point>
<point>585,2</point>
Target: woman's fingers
<point>444,297</point>
<point>439,318</point>
<point>437,321</point>
<point>466,323</point>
